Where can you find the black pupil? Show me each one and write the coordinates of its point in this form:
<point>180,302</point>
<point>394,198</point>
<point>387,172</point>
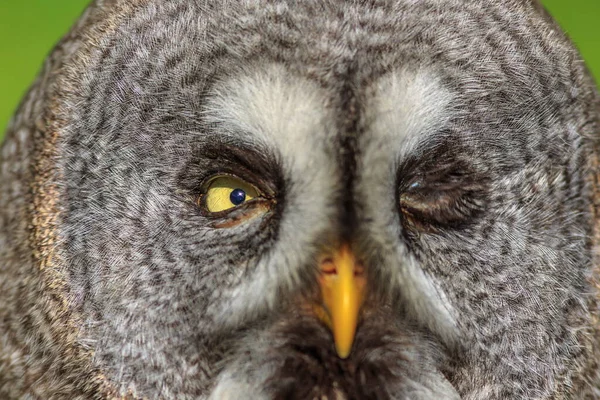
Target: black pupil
<point>237,196</point>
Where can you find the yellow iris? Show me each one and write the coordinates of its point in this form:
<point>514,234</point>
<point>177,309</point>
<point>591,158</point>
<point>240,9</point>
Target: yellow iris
<point>227,192</point>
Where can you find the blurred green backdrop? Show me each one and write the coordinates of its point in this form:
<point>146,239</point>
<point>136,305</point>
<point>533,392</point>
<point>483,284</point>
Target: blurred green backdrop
<point>29,28</point>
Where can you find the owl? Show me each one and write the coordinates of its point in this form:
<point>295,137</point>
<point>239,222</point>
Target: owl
<point>278,199</point>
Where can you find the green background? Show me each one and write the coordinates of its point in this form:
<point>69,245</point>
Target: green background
<point>29,29</point>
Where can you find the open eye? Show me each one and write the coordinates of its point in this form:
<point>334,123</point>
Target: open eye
<point>227,192</point>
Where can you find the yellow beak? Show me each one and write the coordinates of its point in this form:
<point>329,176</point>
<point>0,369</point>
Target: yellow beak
<point>342,285</point>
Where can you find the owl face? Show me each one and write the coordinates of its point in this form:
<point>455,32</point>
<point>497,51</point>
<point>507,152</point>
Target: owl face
<point>329,199</point>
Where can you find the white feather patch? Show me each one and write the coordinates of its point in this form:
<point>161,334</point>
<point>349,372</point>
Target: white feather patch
<point>277,110</point>
<point>404,108</point>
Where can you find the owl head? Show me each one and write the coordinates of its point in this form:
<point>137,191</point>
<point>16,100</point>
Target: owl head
<point>318,199</point>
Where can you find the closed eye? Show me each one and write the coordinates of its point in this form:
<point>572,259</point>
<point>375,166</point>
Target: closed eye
<point>444,205</point>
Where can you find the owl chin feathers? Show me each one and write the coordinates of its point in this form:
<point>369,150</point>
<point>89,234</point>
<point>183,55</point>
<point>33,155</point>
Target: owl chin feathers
<point>295,359</point>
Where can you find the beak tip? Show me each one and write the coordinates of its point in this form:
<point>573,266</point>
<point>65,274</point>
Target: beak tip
<point>343,354</point>
<point>343,343</point>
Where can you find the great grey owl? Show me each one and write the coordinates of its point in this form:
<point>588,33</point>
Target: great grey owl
<point>278,199</point>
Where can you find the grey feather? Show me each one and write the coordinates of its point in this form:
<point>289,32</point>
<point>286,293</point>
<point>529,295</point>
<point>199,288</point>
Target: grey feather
<point>454,143</point>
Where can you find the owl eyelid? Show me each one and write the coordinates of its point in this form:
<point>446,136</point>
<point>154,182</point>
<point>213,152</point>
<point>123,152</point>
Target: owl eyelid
<point>225,174</point>
<point>235,216</point>
<point>257,166</point>
<point>447,194</point>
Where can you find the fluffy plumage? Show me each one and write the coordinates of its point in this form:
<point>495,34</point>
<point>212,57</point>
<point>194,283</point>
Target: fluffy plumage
<point>453,143</point>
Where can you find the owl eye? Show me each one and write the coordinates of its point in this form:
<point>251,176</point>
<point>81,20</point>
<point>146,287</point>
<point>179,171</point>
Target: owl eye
<point>444,204</point>
<point>227,192</point>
